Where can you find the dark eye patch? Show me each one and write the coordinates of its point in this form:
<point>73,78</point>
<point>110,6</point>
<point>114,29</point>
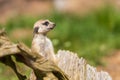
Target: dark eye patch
<point>45,23</point>
<point>35,30</point>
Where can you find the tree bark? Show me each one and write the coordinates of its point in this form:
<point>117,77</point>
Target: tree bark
<point>69,66</point>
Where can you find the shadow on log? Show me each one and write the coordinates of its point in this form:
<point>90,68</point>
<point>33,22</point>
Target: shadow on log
<point>69,66</point>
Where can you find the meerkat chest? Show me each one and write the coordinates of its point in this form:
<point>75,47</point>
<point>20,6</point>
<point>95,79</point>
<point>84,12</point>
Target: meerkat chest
<point>38,44</point>
<point>44,44</point>
<point>48,44</point>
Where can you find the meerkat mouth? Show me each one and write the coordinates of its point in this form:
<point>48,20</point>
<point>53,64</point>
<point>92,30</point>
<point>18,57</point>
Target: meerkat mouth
<point>51,28</point>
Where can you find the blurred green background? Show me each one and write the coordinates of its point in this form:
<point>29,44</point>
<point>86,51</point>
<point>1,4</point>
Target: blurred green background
<point>92,36</point>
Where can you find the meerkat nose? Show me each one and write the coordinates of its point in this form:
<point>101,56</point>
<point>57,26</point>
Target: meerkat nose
<point>54,24</point>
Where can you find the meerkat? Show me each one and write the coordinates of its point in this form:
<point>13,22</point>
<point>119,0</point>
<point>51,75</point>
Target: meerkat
<point>40,43</point>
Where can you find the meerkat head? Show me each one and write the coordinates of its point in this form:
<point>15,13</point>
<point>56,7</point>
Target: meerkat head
<point>43,26</point>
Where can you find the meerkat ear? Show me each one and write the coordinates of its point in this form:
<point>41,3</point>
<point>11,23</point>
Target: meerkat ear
<point>35,31</point>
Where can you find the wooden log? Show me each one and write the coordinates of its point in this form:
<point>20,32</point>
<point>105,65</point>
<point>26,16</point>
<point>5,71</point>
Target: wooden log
<point>69,67</point>
<point>77,69</point>
<point>22,53</point>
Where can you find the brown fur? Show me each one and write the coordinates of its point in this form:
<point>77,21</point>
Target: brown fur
<point>41,44</point>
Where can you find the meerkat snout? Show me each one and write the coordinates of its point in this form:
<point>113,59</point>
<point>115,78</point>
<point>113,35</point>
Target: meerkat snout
<point>43,26</point>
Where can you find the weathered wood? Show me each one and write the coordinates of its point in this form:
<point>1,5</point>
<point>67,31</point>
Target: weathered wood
<point>69,67</point>
<point>23,54</point>
<point>77,68</point>
<point>7,60</point>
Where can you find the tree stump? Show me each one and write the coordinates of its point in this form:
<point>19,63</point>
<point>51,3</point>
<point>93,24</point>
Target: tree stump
<point>69,67</point>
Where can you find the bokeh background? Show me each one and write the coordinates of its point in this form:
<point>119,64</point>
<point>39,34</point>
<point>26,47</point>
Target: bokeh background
<point>91,28</point>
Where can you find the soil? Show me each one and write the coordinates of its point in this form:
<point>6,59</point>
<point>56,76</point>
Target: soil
<point>12,8</point>
<point>113,65</point>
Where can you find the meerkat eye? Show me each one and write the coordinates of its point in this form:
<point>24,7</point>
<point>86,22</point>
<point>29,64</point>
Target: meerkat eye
<point>46,23</point>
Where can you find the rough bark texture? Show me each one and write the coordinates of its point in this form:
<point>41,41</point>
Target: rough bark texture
<point>69,66</point>
<point>77,69</point>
